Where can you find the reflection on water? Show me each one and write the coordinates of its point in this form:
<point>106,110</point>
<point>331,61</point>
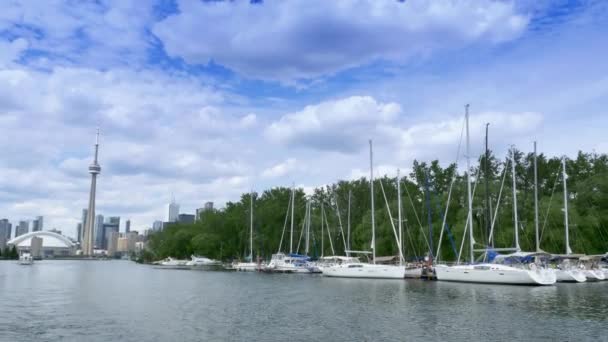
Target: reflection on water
<point>123,301</point>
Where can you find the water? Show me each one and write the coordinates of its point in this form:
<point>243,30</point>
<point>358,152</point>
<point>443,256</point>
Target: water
<point>123,301</point>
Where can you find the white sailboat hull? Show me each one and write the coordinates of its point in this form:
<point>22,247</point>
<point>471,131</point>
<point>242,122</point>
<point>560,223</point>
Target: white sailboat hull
<point>594,275</point>
<point>570,276</point>
<point>413,272</point>
<point>246,266</point>
<point>495,274</point>
<point>365,271</point>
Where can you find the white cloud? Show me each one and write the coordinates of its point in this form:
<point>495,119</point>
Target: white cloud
<point>303,39</point>
<point>339,125</point>
<point>280,169</point>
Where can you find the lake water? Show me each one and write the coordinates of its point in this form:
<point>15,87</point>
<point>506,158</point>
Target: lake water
<point>124,301</point>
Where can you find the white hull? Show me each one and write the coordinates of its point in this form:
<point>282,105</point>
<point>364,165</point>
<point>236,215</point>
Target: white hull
<point>26,262</point>
<point>413,272</point>
<point>495,274</point>
<point>570,276</point>
<point>246,266</point>
<point>594,275</point>
<point>361,270</point>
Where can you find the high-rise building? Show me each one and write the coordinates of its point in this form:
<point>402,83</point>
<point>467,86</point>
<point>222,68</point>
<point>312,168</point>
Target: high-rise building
<point>89,238</point>
<point>172,211</point>
<point>6,229</point>
<point>112,243</point>
<point>127,226</point>
<point>209,206</point>
<point>22,228</point>
<point>131,240</point>
<point>78,232</point>
<point>111,224</point>
<point>185,218</point>
<point>37,224</point>
<point>99,232</point>
<point>157,225</point>
<point>83,222</point>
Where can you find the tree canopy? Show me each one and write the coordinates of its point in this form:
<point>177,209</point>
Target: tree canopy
<point>224,234</point>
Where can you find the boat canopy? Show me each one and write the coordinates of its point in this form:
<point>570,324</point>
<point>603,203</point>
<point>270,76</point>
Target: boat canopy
<point>299,256</point>
<point>567,256</point>
<point>520,256</point>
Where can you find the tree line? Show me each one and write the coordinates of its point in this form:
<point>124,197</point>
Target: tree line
<point>224,233</point>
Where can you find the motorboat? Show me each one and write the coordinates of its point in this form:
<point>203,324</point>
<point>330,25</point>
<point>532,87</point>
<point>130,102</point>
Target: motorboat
<point>516,269</point>
<point>171,263</point>
<point>26,259</point>
<point>199,261</point>
<point>288,263</point>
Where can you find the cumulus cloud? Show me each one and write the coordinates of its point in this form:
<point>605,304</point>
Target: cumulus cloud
<point>339,125</point>
<point>280,169</point>
<point>303,39</point>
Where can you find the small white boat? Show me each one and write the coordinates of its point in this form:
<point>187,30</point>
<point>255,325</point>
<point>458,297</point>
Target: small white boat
<point>26,259</point>
<point>246,266</point>
<point>198,261</point>
<point>171,263</point>
<point>365,270</point>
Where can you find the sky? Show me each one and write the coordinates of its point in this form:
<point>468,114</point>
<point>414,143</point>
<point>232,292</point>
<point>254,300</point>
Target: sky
<point>205,100</point>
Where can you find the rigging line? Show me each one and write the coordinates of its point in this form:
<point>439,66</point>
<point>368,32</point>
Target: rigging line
<point>388,209</point>
<point>285,224</point>
<point>549,206</point>
<point>302,231</point>
<point>447,204</point>
<point>340,223</point>
<point>331,244</point>
<point>407,230</point>
<point>504,176</point>
<point>417,218</point>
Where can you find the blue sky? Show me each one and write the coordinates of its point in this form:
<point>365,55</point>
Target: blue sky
<point>208,99</point>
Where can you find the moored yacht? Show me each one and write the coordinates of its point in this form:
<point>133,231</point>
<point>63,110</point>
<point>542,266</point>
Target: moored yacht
<point>365,270</point>
<point>567,269</point>
<point>591,267</point>
<point>26,259</point>
<point>288,263</point>
<point>199,261</point>
<point>506,269</point>
<point>171,263</point>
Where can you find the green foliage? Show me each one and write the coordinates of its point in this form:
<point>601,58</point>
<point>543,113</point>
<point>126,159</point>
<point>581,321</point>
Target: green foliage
<point>224,234</point>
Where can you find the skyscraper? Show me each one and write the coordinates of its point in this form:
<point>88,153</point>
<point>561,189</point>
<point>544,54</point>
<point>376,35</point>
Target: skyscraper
<point>22,228</point>
<point>128,226</point>
<point>172,211</point>
<point>94,170</point>
<point>37,224</point>
<point>157,225</point>
<point>78,232</point>
<point>112,243</point>
<point>6,229</point>
<point>209,206</point>
<point>99,231</point>
<point>110,225</point>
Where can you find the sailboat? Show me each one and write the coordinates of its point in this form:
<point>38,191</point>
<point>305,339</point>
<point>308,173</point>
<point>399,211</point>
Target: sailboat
<point>356,269</point>
<point>249,266</point>
<point>518,268</point>
<point>292,262</point>
<point>567,270</point>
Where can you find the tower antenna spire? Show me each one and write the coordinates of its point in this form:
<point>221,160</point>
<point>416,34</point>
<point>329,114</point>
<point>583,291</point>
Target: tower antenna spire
<point>94,170</point>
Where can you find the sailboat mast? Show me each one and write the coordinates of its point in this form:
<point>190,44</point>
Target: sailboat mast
<point>292,210</point>
<point>515,219</point>
<point>537,239</point>
<point>371,182</point>
<point>348,224</point>
<point>307,226</point>
<point>251,226</point>
<point>565,176</point>
<point>399,218</point>
<point>322,231</point>
<point>487,192</point>
<point>469,199</point>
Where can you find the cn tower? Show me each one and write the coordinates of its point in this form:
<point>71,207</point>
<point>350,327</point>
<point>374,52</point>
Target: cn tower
<point>94,170</point>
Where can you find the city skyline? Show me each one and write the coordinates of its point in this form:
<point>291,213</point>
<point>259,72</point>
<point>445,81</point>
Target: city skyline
<point>209,122</point>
